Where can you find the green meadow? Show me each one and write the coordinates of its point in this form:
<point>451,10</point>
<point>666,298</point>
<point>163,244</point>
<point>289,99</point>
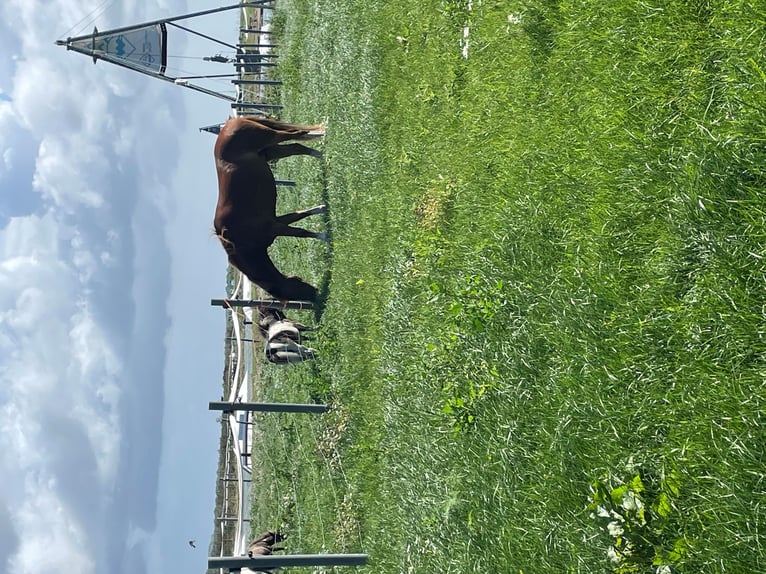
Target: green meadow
<point>543,334</point>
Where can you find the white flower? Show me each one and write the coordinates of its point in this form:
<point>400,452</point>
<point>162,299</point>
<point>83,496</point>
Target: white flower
<point>612,555</point>
<point>615,529</point>
<point>631,502</point>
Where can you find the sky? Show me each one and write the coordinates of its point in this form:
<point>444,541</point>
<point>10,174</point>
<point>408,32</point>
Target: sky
<point>109,348</point>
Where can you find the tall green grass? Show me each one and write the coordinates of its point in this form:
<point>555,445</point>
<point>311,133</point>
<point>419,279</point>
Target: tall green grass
<point>544,328</point>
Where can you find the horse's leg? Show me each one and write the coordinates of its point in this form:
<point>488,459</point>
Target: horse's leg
<point>285,230</point>
<point>283,354</point>
<point>289,218</point>
<point>289,352</point>
<point>279,151</point>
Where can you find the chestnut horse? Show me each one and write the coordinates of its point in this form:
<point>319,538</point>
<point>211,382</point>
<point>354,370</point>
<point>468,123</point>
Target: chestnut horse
<point>245,220</point>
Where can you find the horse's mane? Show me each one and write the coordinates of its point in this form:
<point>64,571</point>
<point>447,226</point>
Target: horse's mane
<point>228,244</point>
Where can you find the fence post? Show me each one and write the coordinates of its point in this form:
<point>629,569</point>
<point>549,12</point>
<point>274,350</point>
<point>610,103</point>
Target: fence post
<point>257,82</point>
<point>245,63</point>
<point>262,303</point>
<point>246,46</point>
<point>228,407</point>
<point>247,106</point>
<point>268,562</point>
<point>254,31</point>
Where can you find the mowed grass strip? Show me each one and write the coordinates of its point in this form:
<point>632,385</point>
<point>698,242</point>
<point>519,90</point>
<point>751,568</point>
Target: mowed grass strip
<point>544,331</point>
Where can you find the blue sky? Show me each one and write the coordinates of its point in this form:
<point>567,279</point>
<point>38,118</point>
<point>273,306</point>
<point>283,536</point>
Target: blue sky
<point>109,349</point>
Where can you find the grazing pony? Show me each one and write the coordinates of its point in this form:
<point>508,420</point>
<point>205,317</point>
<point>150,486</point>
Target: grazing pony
<point>284,338</point>
<point>264,544</point>
<point>245,220</point>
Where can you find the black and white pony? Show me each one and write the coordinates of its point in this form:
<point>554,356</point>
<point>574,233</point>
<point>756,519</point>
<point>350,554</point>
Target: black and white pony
<point>284,338</point>
<point>266,544</point>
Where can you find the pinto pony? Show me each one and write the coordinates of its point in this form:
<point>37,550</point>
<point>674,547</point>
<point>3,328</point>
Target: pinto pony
<point>265,544</point>
<point>284,338</point>
<point>245,220</point>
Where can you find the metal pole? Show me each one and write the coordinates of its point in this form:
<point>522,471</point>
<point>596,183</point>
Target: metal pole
<point>166,20</point>
<point>257,45</point>
<point>250,106</point>
<point>267,407</point>
<point>260,64</point>
<point>249,56</point>
<point>207,77</point>
<point>260,55</point>
<point>266,562</point>
<point>262,303</point>
<point>257,82</point>
<point>216,40</point>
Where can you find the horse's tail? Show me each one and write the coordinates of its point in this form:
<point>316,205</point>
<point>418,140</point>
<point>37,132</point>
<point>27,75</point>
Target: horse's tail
<point>316,130</point>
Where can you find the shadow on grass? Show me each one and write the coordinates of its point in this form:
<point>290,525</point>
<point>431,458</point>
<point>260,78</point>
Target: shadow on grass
<point>540,23</point>
<point>324,282</point>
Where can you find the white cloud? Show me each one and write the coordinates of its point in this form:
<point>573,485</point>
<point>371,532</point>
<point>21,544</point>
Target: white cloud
<point>47,524</point>
<point>55,354</point>
<point>78,452</point>
<point>8,126</point>
<point>59,176</point>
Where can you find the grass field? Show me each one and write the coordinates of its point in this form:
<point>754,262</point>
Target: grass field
<point>543,336</point>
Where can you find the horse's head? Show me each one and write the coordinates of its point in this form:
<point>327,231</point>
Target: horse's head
<point>255,263</point>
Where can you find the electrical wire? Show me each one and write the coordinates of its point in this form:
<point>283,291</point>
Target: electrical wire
<point>89,18</point>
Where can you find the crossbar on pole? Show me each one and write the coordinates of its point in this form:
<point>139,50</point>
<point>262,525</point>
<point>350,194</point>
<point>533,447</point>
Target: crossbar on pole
<point>189,16</point>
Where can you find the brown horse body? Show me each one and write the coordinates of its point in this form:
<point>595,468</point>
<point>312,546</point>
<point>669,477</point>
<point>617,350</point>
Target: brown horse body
<point>245,218</point>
